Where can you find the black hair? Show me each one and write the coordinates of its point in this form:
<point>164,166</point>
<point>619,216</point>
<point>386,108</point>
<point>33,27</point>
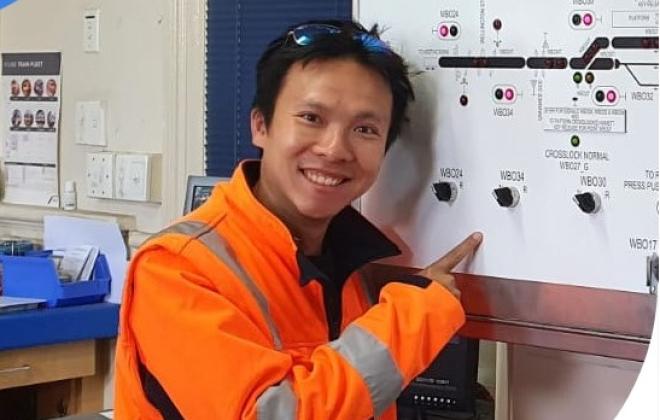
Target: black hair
<point>283,52</point>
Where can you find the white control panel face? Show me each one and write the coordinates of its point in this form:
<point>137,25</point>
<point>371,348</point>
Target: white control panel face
<point>536,123</point>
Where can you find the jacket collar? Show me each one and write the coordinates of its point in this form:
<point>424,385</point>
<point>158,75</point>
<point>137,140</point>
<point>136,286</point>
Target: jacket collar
<point>353,242</point>
<point>351,239</point>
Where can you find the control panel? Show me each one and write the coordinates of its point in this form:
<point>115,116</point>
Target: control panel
<point>536,123</point>
<point>450,382</point>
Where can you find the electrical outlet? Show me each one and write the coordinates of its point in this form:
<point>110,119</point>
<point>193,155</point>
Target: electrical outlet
<point>100,169</point>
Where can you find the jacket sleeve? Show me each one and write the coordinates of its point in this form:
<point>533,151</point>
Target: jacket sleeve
<point>214,361</point>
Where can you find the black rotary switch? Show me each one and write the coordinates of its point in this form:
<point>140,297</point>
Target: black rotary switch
<point>588,202</point>
<point>445,191</point>
<point>507,196</point>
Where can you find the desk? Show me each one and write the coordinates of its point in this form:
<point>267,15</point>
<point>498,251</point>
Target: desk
<point>57,356</point>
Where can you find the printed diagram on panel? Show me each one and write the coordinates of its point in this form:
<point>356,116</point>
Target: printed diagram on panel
<point>535,122</point>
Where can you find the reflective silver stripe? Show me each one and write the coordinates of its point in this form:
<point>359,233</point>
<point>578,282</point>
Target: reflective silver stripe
<point>217,244</point>
<point>188,228</point>
<point>277,403</point>
<point>373,362</point>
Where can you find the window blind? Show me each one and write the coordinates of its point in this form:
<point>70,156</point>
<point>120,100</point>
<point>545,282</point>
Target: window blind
<point>237,32</point>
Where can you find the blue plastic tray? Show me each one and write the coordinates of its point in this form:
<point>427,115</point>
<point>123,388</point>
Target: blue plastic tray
<point>36,277</point>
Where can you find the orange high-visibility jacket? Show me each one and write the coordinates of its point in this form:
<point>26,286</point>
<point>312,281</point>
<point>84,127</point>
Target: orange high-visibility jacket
<point>213,309</point>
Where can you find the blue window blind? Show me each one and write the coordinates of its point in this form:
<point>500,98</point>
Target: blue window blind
<point>237,32</point>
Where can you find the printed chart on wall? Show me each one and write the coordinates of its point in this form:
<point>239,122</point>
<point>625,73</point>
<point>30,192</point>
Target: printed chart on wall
<point>31,91</point>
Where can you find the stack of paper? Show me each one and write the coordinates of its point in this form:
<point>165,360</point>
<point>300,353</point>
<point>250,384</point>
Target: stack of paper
<point>76,263</point>
<point>62,232</point>
<point>11,304</point>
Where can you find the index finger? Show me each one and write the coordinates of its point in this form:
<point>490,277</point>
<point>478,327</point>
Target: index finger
<point>460,251</point>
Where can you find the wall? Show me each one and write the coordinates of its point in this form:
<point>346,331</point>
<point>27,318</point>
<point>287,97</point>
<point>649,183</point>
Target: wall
<point>144,76</point>
<point>150,75</point>
<point>548,384</point>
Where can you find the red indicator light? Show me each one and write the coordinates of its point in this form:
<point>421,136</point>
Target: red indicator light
<point>587,19</point>
<point>509,94</point>
<point>444,31</point>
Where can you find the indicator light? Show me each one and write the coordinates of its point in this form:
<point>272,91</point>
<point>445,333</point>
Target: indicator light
<point>600,96</point>
<point>499,94</point>
<point>509,94</point>
<point>464,100</point>
<point>588,19</point>
<point>453,30</point>
<point>497,24</point>
<point>577,77</point>
<point>575,141</point>
<point>576,19</point>
<point>589,77</point>
<point>444,30</point>
<point>611,96</point>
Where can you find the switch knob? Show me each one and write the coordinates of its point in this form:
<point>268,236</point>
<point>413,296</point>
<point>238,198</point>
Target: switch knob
<point>445,191</point>
<point>507,196</point>
<point>652,273</point>
<point>588,202</point>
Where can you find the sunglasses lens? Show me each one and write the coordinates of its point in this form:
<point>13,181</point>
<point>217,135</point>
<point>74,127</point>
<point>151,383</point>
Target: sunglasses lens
<point>373,44</point>
<point>307,34</point>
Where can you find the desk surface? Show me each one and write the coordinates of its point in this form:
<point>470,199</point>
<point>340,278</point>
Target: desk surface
<point>58,325</point>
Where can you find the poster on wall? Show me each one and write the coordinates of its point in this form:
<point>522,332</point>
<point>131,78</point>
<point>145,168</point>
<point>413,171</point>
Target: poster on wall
<point>31,93</point>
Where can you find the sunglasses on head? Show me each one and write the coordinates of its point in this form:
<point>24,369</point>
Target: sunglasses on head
<point>304,35</point>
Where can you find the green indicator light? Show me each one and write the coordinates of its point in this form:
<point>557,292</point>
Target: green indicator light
<point>575,141</point>
<point>577,77</point>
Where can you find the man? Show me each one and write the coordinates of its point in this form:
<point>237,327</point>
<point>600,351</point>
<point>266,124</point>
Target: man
<point>252,307</point>
<point>15,88</point>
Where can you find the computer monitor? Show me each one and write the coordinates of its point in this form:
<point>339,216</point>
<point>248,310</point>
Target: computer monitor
<point>199,190</point>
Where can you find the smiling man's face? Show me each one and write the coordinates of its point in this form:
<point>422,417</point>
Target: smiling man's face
<point>326,140</point>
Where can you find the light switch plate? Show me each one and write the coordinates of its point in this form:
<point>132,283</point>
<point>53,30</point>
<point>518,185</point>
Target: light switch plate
<point>90,123</point>
<point>100,169</point>
<point>91,22</point>
<point>133,176</point>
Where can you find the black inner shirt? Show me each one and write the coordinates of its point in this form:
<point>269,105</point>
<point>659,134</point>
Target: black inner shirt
<point>350,243</point>
<point>332,286</point>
